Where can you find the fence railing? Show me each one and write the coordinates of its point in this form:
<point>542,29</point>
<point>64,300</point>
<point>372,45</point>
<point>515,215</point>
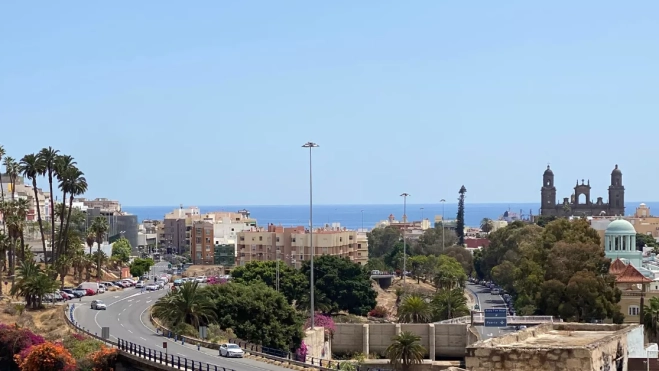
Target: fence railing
<point>167,359</point>
<point>283,354</point>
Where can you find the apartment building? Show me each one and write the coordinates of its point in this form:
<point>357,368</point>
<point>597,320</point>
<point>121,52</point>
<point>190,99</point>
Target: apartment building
<point>104,204</point>
<point>227,225</point>
<point>202,248</point>
<point>25,191</point>
<point>293,245</point>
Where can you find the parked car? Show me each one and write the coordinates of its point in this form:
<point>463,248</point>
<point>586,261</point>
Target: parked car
<point>178,282</point>
<point>94,286</point>
<point>98,305</point>
<point>90,292</point>
<point>139,284</point>
<point>202,279</point>
<point>65,295</point>
<point>75,293</point>
<point>231,350</point>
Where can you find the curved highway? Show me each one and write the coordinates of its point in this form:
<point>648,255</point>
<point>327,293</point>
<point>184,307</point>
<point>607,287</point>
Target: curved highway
<point>488,301</point>
<point>127,318</point>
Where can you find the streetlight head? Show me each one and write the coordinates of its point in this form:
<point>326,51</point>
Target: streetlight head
<point>442,200</point>
<point>310,145</point>
<point>405,194</point>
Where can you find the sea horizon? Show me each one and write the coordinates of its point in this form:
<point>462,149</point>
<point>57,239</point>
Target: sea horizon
<point>358,216</point>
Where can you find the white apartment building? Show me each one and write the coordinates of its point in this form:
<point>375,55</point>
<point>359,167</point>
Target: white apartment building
<point>226,226</point>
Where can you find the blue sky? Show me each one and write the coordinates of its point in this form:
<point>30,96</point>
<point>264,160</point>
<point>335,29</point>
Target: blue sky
<point>208,102</point>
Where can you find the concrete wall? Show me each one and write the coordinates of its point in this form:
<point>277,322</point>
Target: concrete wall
<point>315,341</point>
<point>440,340</point>
<point>509,352</point>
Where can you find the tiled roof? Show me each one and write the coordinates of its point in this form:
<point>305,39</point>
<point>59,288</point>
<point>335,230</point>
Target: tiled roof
<point>632,275</point>
<point>617,267</point>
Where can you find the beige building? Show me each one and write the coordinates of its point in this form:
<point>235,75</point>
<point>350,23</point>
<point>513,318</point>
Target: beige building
<point>202,248</point>
<point>25,191</point>
<point>106,205</point>
<point>293,245</point>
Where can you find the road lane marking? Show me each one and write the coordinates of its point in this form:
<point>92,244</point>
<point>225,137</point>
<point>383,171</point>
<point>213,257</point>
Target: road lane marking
<point>130,331</point>
<point>122,325</point>
<point>142,338</point>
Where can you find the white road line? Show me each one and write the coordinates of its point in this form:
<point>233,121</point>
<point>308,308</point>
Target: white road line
<point>130,331</point>
<point>143,338</point>
<point>122,325</point>
<point>148,301</point>
<point>123,310</point>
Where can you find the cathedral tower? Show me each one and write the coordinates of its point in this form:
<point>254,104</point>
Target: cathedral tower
<point>548,191</point>
<point>616,193</point>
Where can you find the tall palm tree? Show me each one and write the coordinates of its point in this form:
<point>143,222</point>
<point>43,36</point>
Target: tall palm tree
<point>48,157</point>
<point>2,190</point>
<point>4,245</point>
<point>449,303</point>
<point>64,172</point>
<point>405,351</point>
<point>74,183</point>
<point>31,167</point>
<point>100,228</point>
<point>12,171</point>
<point>186,305</point>
<point>33,283</point>
<point>22,208</point>
<point>486,225</point>
<point>414,309</point>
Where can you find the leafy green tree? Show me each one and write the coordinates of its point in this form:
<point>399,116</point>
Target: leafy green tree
<point>394,258</point>
<point>414,309</point>
<point>543,220</point>
<point>460,217</point>
<point>375,264</point>
<point>344,284</point>
<point>417,264</point>
<point>122,249</point>
<point>140,266</point>
<point>651,318</point>
<point>257,313</point>
<point>431,241</point>
<point>405,351</point>
<point>450,273</point>
<point>33,283</point>
<point>292,282</point>
<point>463,256</point>
<point>487,225</point>
<point>382,240</point>
<point>188,304</point>
<point>643,240</point>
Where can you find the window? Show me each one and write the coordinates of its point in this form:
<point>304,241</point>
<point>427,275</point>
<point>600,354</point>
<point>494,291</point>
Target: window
<point>277,239</point>
<point>634,310</point>
<point>350,237</point>
<point>260,238</point>
<point>340,239</point>
<point>359,246</point>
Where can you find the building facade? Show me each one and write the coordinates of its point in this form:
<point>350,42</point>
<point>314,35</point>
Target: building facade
<point>580,203</point>
<point>202,248</point>
<point>293,245</point>
<point>120,224</point>
<point>225,255</point>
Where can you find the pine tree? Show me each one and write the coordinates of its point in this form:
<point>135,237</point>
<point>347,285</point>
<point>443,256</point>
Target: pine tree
<point>460,219</point>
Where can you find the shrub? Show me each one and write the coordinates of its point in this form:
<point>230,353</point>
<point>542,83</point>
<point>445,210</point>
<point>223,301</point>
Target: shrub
<point>322,320</point>
<point>104,359</point>
<point>14,340</point>
<point>46,357</point>
<point>301,352</point>
<point>379,312</point>
<point>80,349</point>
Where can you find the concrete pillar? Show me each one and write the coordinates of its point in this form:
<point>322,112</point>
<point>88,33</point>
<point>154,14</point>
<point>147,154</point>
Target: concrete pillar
<point>431,341</point>
<point>398,329</point>
<point>365,340</point>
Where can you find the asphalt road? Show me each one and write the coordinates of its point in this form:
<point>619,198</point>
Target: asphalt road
<point>489,301</point>
<point>127,318</point>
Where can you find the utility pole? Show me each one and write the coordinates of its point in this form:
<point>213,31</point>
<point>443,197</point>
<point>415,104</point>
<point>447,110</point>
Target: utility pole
<point>311,146</point>
<point>404,195</point>
<point>443,201</point>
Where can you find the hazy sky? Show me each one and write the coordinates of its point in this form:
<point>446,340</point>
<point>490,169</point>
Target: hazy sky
<point>208,102</point>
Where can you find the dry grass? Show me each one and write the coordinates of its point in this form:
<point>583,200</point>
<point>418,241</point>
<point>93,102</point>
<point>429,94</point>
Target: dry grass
<point>48,322</point>
<point>203,270</point>
<point>387,298</point>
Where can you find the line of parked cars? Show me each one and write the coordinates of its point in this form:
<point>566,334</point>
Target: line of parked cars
<point>496,290</point>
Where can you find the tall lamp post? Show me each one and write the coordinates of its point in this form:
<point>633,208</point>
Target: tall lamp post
<point>421,215</point>
<point>362,220</point>
<point>311,146</point>
<point>443,201</point>
<point>404,195</point>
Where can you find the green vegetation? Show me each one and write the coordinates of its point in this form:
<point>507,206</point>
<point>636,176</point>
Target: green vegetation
<point>558,270</point>
<point>139,267</point>
<point>121,250</point>
<point>405,351</point>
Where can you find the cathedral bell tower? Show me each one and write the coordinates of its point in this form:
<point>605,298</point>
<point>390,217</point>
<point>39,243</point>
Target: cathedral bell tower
<point>616,193</point>
<point>548,192</point>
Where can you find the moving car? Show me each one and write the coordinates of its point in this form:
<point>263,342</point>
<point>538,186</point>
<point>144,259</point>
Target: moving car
<point>98,305</point>
<point>178,282</point>
<point>152,287</point>
<point>231,350</point>
<point>139,284</point>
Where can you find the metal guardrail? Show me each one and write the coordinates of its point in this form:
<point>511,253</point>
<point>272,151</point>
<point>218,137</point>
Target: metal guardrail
<point>282,354</point>
<point>479,318</point>
<point>457,320</point>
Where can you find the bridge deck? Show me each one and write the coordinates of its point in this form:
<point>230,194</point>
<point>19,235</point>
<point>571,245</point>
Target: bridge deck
<point>479,319</point>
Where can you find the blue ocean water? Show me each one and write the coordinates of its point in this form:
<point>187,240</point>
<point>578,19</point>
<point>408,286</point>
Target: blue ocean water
<point>350,216</point>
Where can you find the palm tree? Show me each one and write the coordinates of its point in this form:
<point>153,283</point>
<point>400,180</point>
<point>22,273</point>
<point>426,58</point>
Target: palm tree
<point>48,156</point>
<point>65,171</point>
<point>75,184</point>
<point>2,190</point>
<point>31,167</point>
<point>89,264</point>
<point>186,305</point>
<point>100,228</point>
<point>12,171</point>
<point>90,239</point>
<point>405,351</point>
<point>33,283</point>
<point>449,303</point>
<point>414,309</point>
<point>487,225</point>
<point>22,207</point>
<point>4,245</point>
<point>651,318</point>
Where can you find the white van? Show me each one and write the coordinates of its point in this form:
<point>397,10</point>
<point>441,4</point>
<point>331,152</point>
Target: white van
<point>94,286</point>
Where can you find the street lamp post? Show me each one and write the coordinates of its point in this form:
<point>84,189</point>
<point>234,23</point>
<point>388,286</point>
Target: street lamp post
<point>311,146</point>
<point>443,201</point>
<point>421,215</point>
<point>278,269</point>
<point>404,195</point>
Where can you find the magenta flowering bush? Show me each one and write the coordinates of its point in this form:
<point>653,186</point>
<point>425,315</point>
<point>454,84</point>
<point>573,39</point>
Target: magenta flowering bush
<point>77,336</point>
<point>322,320</point>
<point>15,340</point>
<point>301,352</point>
<point>217,281</point>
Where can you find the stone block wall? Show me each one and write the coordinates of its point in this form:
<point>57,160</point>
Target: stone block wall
<point>440,340</point>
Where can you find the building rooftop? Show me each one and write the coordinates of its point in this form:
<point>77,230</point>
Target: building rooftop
<point>556,335</point>
<point>617,267</point>
<point>632,275</point>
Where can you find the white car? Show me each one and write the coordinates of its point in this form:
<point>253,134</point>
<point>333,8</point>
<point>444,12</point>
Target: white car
<point>99,305</point>
<point>202,279</point>
<point>231,350</point>
<point>139,285</point>
<point>152,287</point>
